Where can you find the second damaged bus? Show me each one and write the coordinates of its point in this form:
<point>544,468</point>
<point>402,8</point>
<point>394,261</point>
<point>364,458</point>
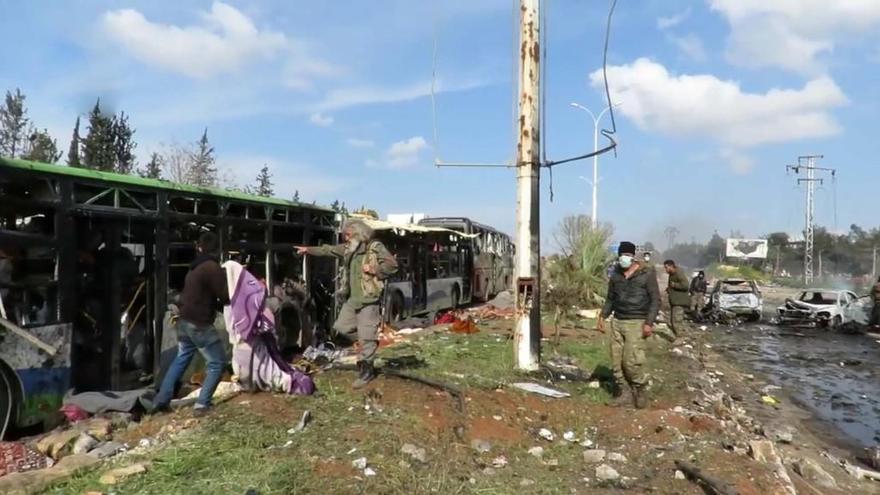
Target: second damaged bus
<point>443,264</point>
<point>90,262</point>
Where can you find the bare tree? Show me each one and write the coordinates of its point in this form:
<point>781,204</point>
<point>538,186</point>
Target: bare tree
<point>570,234</point>
<point>177,160</point>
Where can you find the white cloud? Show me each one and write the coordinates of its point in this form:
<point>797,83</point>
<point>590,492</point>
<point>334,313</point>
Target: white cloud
<point>704,105</point>
<point>402,154</point>
<point>367,95</point>
<point>360,143</point>
<point>740,163</point>
<point>792,34</point>
<point>224,41</point>
<point>673,20</point>
<point>321,120</point>
<point>690,46</point>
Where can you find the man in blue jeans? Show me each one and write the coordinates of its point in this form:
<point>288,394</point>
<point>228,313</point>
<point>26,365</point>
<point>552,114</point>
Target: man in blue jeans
<point>204,292</point>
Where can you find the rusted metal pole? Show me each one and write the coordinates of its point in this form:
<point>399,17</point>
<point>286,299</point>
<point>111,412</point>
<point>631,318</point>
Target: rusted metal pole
<point>527,333</point>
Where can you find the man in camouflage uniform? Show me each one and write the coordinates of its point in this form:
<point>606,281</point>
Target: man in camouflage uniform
<point>366,264</point>
<point>633,301</point>
<point>677,290</point>
<point>699,287</point>
<point>875,311</point>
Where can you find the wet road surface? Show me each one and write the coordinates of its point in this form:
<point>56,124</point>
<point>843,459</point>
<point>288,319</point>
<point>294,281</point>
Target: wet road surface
<point>835,376</point>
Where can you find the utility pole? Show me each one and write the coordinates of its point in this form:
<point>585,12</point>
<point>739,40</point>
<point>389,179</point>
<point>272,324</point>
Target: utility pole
<point>671,233</point>
<point>807,165</point>
<point>527,332</point>
<point>874,264</point>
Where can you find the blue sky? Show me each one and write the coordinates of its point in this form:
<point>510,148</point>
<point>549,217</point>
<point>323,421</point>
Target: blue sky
<point>717,96</point>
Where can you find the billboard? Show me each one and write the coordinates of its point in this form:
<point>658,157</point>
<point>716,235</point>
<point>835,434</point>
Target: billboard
<point>746,248</point>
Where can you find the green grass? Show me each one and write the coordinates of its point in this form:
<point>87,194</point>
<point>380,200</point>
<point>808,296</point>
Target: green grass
<point>231,450</point>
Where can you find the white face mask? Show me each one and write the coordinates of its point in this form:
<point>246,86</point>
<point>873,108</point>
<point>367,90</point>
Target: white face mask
<point>625,261</point>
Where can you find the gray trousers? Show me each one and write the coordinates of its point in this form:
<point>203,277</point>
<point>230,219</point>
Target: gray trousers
<point>365,322</point>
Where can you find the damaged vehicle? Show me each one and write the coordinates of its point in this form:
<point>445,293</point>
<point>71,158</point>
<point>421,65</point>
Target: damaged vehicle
<point>737,297</point>
<point>826,308</point>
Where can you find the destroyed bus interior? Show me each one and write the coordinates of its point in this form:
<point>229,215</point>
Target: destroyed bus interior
<point>490,269</point>
<point>91,262</point>
<point>433,267</point>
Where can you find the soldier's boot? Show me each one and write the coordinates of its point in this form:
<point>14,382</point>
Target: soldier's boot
<point>366,374</point>
<point>619,397</point>
<point>640,397</point>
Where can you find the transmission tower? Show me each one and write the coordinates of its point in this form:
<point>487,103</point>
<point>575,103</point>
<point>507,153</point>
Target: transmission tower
<point>671,233</point>
<point>807,166</point>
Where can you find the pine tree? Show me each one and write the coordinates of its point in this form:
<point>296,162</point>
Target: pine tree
<point>73,151</point>
<point>153,168</point>
<point>264,183</point>
<point>98,146</point>
<point>13,124</point>
<point>202,171</point>
<point>123,145</point>
<point>41,147</point>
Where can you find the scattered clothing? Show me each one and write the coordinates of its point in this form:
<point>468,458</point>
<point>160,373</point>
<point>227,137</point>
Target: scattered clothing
<point>17,457</point>
<point>74,405</point>
<point>256,359</point>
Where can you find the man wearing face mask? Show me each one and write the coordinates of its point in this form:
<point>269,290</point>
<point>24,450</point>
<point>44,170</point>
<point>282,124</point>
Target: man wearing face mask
<point>366,264</point>
<point>633,302</point>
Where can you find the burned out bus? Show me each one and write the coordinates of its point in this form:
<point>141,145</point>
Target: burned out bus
<point>443,264</point>
<point>91,262</point>
<point>490,266</point>
<point>432,268</point>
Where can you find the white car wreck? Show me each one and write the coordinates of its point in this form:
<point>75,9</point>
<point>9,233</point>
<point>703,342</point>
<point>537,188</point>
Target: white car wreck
<point>738,297</point>
<point>820,308</point>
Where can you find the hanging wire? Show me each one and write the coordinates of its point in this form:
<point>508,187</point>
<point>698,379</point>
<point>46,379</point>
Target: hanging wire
<point>608,133</point>
<point>543,117</point>
<point>834,196</point>
<point>437,161</point>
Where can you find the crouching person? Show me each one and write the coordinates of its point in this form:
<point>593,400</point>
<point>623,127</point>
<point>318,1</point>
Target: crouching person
<point>366,264</point>
<point>204,292</point>
<point>632,302</point>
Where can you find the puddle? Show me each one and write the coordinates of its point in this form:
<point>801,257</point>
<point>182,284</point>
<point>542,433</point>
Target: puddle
<point>833,375</point>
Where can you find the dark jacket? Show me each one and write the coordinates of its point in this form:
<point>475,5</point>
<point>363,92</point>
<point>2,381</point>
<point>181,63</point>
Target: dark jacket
<point>699,285</point>
<point>875,292</point>
<point>204,289</point>
<point>634,298</point>
<point>678,289</point>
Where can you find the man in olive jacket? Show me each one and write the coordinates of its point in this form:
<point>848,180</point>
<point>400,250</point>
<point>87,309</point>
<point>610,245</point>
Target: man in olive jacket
<point>633,302</point>
<point>679,298</point>
<point>366,264</point>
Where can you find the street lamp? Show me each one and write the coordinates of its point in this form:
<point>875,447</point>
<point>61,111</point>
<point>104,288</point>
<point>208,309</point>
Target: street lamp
<point>594,218</point>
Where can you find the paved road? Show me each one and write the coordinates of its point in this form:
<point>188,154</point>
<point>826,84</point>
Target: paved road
<point>833,375</point>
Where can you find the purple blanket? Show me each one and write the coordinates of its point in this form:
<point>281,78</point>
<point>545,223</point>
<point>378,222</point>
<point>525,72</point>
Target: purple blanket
<point>255,356</point>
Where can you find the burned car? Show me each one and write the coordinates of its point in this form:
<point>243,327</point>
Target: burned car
<point>737,297</point>
<point>818,307</point>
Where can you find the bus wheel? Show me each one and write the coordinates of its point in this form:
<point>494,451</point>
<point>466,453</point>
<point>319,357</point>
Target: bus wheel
<point>456,297</point>
<point>10,398</point>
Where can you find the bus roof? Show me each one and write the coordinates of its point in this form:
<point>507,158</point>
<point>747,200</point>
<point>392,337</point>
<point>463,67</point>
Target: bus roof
<point>460,220</point>
<point>112,177</point>
<point>409,227</point>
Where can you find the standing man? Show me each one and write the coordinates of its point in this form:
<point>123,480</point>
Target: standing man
<point>633,300</point>
<point>366,264</point>
<point>699,286</point>
<point>204,292</point>
<point>677,291</point>
<point>875,311</point>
